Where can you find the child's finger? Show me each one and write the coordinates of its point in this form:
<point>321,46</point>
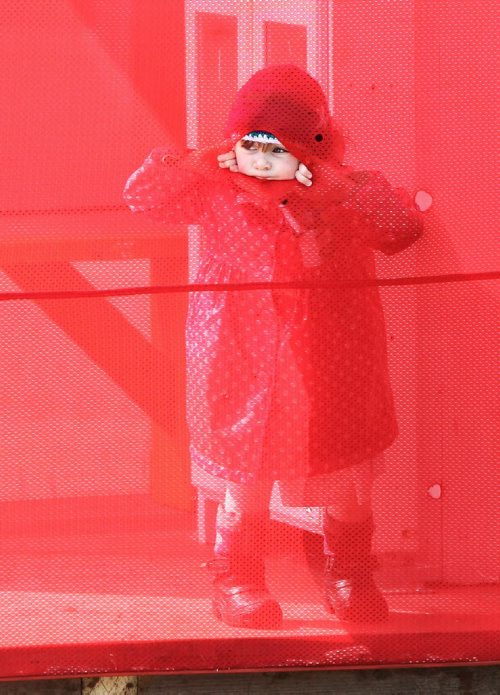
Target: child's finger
<point>227,160</point>
<point>225,156</point>
<point>228,164</point>
<point>305,171</point>
<point>303,179</point>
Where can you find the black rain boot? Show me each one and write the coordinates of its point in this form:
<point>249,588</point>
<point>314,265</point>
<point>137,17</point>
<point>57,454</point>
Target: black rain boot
<point>241,597</point>
<point>350,590</point>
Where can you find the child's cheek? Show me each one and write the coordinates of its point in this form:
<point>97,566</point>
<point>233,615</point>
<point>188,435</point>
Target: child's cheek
<point>241,163</point>
<point>245,167</point>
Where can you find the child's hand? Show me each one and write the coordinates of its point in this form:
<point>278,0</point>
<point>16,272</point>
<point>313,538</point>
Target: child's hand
<point>303,175</point>
<point>228,161</point>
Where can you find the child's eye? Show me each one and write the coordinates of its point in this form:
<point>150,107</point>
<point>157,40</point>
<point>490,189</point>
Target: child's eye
<point>280,150</point>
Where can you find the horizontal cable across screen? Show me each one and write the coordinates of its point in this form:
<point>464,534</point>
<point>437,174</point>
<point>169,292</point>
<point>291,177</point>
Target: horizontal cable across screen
<point>84,210</point>
<point>249,286</point>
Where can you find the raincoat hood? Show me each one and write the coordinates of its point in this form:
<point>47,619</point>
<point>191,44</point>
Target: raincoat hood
<point>286,101</point>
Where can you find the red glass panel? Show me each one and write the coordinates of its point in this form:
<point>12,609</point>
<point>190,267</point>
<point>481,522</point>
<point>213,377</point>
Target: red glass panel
<point>212,399</point>
<point>286,43</point>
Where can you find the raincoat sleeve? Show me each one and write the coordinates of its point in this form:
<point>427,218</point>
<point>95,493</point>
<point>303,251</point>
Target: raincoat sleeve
<point>388,219</point>
<point>168,187</point>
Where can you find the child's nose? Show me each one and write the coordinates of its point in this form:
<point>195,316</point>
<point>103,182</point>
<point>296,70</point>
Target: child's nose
<point>262,162</point>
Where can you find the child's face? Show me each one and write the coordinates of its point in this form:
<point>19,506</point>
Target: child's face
<point>265,161</point>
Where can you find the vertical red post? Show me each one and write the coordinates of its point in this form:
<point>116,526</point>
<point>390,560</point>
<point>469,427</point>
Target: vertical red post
<point>457,125</point>
<point>158,73</point>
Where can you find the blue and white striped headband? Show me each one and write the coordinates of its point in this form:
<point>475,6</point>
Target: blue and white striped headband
<point>262,136</point>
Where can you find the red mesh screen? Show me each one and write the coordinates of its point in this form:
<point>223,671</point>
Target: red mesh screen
<point>249,418</point>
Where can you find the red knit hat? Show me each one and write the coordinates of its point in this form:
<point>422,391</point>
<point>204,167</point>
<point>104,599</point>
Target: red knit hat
<point>286,101</point>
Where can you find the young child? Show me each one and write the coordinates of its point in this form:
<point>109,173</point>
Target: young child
<point>286,383</point>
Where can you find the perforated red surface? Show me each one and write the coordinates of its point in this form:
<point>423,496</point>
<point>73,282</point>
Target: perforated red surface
<point>261,343</point>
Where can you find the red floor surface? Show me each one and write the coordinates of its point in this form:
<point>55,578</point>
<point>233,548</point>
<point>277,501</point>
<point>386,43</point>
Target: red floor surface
<point>110,585</point>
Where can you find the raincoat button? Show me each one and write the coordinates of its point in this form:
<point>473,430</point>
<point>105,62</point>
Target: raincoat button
<point>318,137</point>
